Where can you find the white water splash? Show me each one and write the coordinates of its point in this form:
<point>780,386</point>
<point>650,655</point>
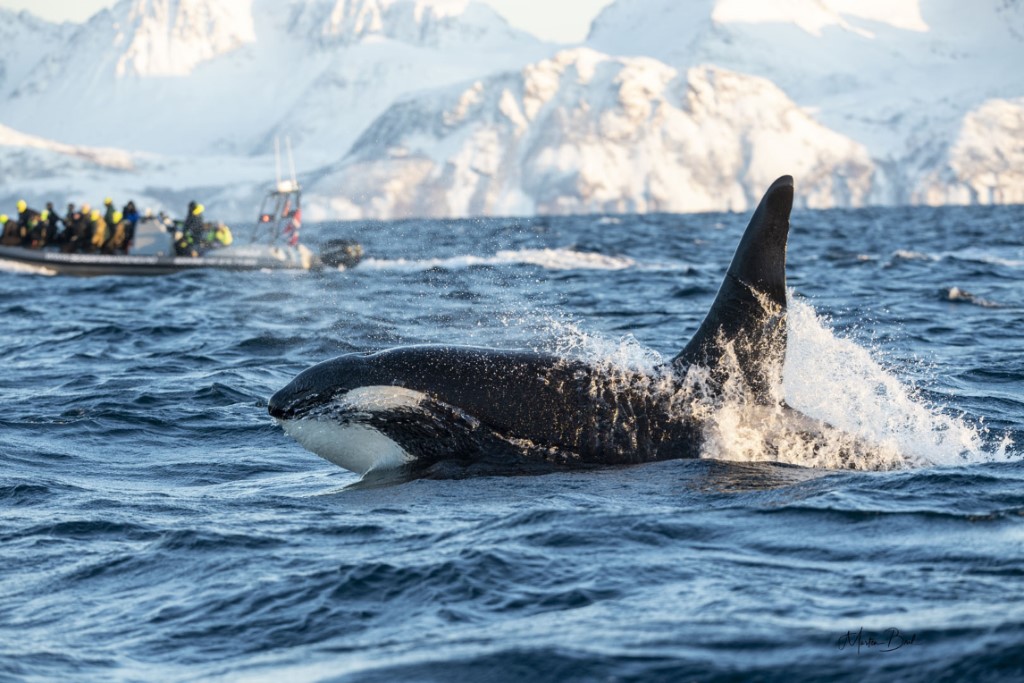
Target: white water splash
<point>625,353</point>
<point>835,380</point>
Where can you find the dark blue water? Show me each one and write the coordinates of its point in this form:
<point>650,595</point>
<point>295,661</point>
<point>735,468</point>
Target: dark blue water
<point>158,526</point>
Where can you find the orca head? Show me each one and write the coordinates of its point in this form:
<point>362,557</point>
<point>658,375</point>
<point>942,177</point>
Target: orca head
<point>314,389</point>
<point>367,413</point>
<point>330,410</point>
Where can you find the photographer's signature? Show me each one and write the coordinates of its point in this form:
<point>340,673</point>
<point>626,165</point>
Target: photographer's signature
<point>889,640</point>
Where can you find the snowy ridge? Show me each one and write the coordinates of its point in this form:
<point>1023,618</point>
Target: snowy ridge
<point>26,156</point>
<point>437,23</point>
<point>172,37</point>
<point>24,40</point>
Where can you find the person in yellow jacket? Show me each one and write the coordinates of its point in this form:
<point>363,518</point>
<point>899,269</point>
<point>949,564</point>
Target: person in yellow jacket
<point>11,236</point>
<point>223,235</point>
<point>97,231</point>
<point>217,236</point>
<point>117,240</point>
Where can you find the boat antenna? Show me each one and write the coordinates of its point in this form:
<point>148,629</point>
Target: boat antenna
<point>277,158</point>
<point>291,160</point>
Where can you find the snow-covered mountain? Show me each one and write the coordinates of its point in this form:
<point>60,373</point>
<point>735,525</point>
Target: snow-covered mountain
<point>439,107</point>
<point>584,132</point>
<point>222,76</point>
<point>904,77</point>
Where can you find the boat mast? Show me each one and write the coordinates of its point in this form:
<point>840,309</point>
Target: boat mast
<point>291,161</point>
<point>277,158</point>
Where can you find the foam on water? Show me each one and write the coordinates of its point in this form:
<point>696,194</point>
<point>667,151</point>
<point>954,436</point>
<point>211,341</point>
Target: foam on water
<point>15,267</point>
<point>971,255</point>
<point>549,259</point>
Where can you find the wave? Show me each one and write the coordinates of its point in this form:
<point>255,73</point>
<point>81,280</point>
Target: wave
<point>970,255</point>
<point>549,259</point>
<point>962,296</point>
<point>14,267</point>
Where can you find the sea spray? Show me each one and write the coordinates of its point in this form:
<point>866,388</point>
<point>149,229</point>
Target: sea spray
<point>836,380</point>
<point>837,408</point>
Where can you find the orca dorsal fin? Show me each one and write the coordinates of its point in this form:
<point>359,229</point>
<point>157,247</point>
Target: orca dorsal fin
<point>748,317</point>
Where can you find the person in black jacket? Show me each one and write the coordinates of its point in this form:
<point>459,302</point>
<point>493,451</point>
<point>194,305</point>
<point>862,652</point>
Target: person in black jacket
<point>52,222</point>
<point>131,218</point>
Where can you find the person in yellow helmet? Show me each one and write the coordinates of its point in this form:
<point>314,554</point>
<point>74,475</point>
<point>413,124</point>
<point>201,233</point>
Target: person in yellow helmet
<point>97,232</point>
<point>28,219</point>
<point>117,235</point>
<point>193,229</point>
<point>108,215</point>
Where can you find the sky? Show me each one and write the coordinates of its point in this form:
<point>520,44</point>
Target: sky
<point>568,23</point>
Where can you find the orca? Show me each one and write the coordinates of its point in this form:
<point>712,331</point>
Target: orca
<point>446,411</point>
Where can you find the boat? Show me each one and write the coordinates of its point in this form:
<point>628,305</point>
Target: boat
<point>273,245</point>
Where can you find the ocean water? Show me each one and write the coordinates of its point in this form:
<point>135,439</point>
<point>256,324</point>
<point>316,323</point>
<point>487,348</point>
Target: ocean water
<point>158,526</point>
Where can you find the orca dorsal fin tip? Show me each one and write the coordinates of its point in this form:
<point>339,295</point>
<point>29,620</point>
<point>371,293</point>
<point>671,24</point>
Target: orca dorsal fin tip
<point>760,259</point>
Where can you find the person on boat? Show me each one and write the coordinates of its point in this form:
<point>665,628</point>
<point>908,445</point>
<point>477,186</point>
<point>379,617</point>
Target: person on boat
<point>131,217</point>
<point>97,232</point>
<point>69,218</point>
<point>82,240</point>
<point>217,236</point>
<point>188,242</point>
<point>130,213</point>
<point>71,239</point>
<point>291,230</point>
<point>53,222</point>
<point>108,213</point>
<point>35,235</point>
<point>184,245</point>
<point>27,220</point>
<point>194,222</point>
<point>116,235</point>
<point>11,236</point>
